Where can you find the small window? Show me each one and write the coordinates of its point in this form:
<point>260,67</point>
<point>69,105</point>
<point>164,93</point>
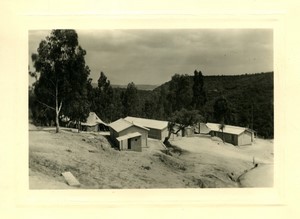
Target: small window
<point>135,139</point>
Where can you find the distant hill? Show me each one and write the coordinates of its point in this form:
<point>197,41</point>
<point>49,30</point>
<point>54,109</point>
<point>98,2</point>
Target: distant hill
<point>250,96</point>
<point>138,86</point>
<point>221,83</point>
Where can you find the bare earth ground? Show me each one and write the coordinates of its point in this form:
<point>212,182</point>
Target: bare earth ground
<point>195,162</point>
<point>216,162</point>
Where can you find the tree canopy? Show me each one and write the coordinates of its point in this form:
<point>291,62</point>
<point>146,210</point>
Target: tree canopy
<point>199,94</point>
<point>131,100</point>
<point>63,75</point>
<point>103,98</point>
<point>185,118</point>
<point>180,92</point>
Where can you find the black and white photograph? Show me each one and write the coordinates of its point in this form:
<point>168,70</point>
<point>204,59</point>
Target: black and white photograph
<point>151,108</point>
<point>154,109</point>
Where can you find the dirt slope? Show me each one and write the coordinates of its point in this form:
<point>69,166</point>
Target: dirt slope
<point>242,165</point>
<point>96,165</point>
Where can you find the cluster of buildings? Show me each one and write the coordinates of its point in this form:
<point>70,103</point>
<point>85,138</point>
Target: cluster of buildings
<point>132,133</point>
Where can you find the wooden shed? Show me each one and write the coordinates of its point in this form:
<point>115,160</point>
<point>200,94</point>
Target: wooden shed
<point>232,134</point>
<point>157,129</point>
<point>123,127</point>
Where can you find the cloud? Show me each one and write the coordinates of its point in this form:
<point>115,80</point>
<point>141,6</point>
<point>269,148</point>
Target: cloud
<point>153,56</point>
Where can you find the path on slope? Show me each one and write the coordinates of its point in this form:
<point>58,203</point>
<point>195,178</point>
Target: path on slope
<point>220,165</point>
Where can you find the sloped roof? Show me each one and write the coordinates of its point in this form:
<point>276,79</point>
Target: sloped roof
<point>130,135</point>
<point>122,124</point>
<point>93,120</point>
<point>150,123</point>
<point>236,130</point>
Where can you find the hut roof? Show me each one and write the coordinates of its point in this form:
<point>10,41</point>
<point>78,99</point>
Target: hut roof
<point>122,124</point>
<point>130,135</point>
<point>93,120</point>
<point>150,123</point>
<point>236,130</point>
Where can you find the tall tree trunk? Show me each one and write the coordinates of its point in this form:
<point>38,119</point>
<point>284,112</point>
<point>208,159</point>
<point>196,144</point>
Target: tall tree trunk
<point>57,108</point>
<point>168,137</point>
<point>170,127</point>
<point>57,121</point>
<point>78,125</point>
<point>222,128</point>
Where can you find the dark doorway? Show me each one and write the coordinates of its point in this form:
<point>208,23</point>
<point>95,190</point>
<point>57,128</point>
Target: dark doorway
<point>129,144</point>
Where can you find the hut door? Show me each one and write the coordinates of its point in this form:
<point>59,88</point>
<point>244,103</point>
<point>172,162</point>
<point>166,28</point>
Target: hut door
<point>129,144</point>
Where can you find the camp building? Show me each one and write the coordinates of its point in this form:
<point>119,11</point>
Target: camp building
<point>232,134</point>
<point>157,129</point>
<point>128,135</point>
<point>94,123</point>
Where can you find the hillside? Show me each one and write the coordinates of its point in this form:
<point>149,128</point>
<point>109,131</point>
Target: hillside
<point>198,162</point>
<point>147,87</point>
<point>250,99</point>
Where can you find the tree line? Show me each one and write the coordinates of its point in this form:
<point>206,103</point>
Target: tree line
<point>63,89</point>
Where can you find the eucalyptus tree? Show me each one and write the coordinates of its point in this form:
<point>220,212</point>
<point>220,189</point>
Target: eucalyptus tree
<point>63,75</point>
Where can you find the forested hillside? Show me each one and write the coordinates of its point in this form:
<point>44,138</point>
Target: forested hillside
<point>138,86</point>
<point>249,98</point>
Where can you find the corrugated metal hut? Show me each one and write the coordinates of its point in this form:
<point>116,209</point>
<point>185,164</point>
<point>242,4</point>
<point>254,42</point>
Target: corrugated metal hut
<point>232,134</point>
<point>157,129</point>
<point>125,128</point>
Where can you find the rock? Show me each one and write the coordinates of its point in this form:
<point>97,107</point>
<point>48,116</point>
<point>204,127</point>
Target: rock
<point>71,180</point>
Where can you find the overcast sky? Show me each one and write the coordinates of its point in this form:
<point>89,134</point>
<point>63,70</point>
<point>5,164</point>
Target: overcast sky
<point>153,56</point>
